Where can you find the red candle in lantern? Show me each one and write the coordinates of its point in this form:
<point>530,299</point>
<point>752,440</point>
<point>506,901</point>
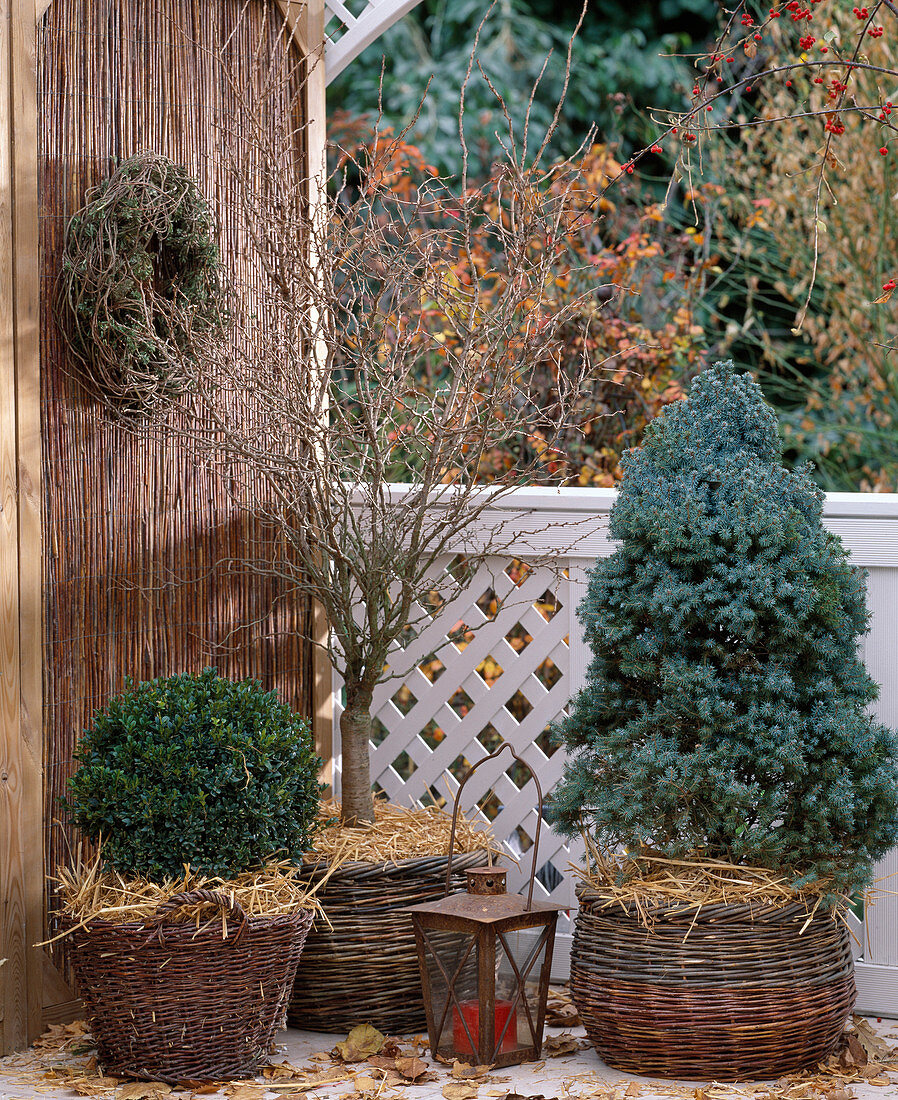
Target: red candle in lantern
<point>470,1010</point>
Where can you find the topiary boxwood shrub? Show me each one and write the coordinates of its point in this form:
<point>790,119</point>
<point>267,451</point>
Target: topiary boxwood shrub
<point>196,770</point>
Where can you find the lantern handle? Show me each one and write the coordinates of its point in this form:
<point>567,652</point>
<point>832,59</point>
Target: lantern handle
<point>539,823</point>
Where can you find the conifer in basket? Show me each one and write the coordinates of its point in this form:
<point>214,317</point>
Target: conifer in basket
<point>723,741</point>
<point>203,794</point>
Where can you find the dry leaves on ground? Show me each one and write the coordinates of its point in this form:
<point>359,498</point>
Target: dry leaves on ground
<point>360,1044</point>
<point>554,1046</point>
<point>560,1009</point>
<point>243,1090</point>
<point>460,1090</point>
<point>61,1037</point>
<point>143,1090</point>
<point>463,1071</point>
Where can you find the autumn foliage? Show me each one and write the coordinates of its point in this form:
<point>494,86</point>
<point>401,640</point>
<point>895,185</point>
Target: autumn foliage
<point>634,272</point>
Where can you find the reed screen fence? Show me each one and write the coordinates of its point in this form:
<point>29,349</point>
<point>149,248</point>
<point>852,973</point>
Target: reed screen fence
<point>145,556</point>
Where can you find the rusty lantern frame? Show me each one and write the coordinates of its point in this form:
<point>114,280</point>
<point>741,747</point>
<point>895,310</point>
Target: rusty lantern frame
<point>488,916</point>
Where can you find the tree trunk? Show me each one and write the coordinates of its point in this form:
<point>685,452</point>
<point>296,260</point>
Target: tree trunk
<point>355,735</point>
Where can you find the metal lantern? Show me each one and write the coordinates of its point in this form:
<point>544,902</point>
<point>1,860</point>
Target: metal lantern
<point>485,958</point>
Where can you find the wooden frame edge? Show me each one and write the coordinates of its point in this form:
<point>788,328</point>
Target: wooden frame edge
<point>21,708</point>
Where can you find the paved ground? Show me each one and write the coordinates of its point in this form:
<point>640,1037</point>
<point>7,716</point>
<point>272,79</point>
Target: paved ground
<point>62,1066</point>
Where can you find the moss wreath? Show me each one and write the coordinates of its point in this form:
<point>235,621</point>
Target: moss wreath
<point>140,281</point>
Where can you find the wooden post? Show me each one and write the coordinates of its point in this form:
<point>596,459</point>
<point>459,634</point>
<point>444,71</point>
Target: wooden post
<point>312,26</point>
<point>21,834</point>
<point>306,23</point>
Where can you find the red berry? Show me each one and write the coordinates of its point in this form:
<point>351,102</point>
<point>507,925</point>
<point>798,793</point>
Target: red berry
<point>884,152</point>
<point>655,149</point>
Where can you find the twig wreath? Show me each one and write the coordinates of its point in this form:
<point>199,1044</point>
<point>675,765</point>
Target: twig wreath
<point>141,276</point>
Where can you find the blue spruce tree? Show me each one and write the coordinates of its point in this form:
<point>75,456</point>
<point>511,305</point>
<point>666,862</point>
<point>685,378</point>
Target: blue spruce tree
<point>724,709</point>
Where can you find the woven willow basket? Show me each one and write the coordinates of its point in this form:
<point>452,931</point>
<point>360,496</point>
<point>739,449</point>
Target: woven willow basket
<point>364,968</point>
<point>168,1002</point>
<point>731,991</point>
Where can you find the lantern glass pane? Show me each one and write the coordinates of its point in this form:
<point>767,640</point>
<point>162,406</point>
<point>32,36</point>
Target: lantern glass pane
<point>519,956</point>
<point>452,959</point>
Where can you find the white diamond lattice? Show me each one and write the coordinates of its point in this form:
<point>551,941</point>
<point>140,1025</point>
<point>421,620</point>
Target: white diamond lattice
<point>506,676</point>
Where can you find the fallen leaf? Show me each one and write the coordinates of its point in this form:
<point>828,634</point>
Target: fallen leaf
<point>877,1049</point>
<point>632,1089</point>
<point>561,1010</point>
<point>518,1096</point>
<point>360,1043</point>
<point>143,1090</point>
<point>457,1090</point>
<point>321,1056</point>
<point>364,1083</point>
<point>205,1088</point>
<point>556,1045</point>
<point>463,1071</point>
<point>853,1053</point>
<point>411,1068</point>
<point>380,1062</point>
<point>245,1091</point>
<point>281,1071</point>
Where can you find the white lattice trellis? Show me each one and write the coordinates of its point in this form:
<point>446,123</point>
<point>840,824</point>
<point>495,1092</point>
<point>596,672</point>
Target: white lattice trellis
<point>352,25</point>
<point>508,678</point>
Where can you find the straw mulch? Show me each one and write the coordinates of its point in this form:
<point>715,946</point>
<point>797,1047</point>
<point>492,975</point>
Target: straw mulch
<point>645,881</point>
<point>87,892</point>
<point>399,832</point>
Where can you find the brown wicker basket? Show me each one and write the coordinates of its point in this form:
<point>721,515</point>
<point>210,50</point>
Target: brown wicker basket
<point>729,991</point>
<point>364,968</point>
<point>168,1002</point>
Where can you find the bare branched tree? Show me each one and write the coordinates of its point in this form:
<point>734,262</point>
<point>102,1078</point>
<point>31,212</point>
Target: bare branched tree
<point>319,393</point>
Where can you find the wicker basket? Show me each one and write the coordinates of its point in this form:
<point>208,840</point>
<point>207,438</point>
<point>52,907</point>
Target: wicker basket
<point>730,991</point>
<point>364,968</point>
<point>168,1002</point>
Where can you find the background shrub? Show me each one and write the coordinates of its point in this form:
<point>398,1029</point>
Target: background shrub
<point>196,769</point>
<point>834,382</point>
